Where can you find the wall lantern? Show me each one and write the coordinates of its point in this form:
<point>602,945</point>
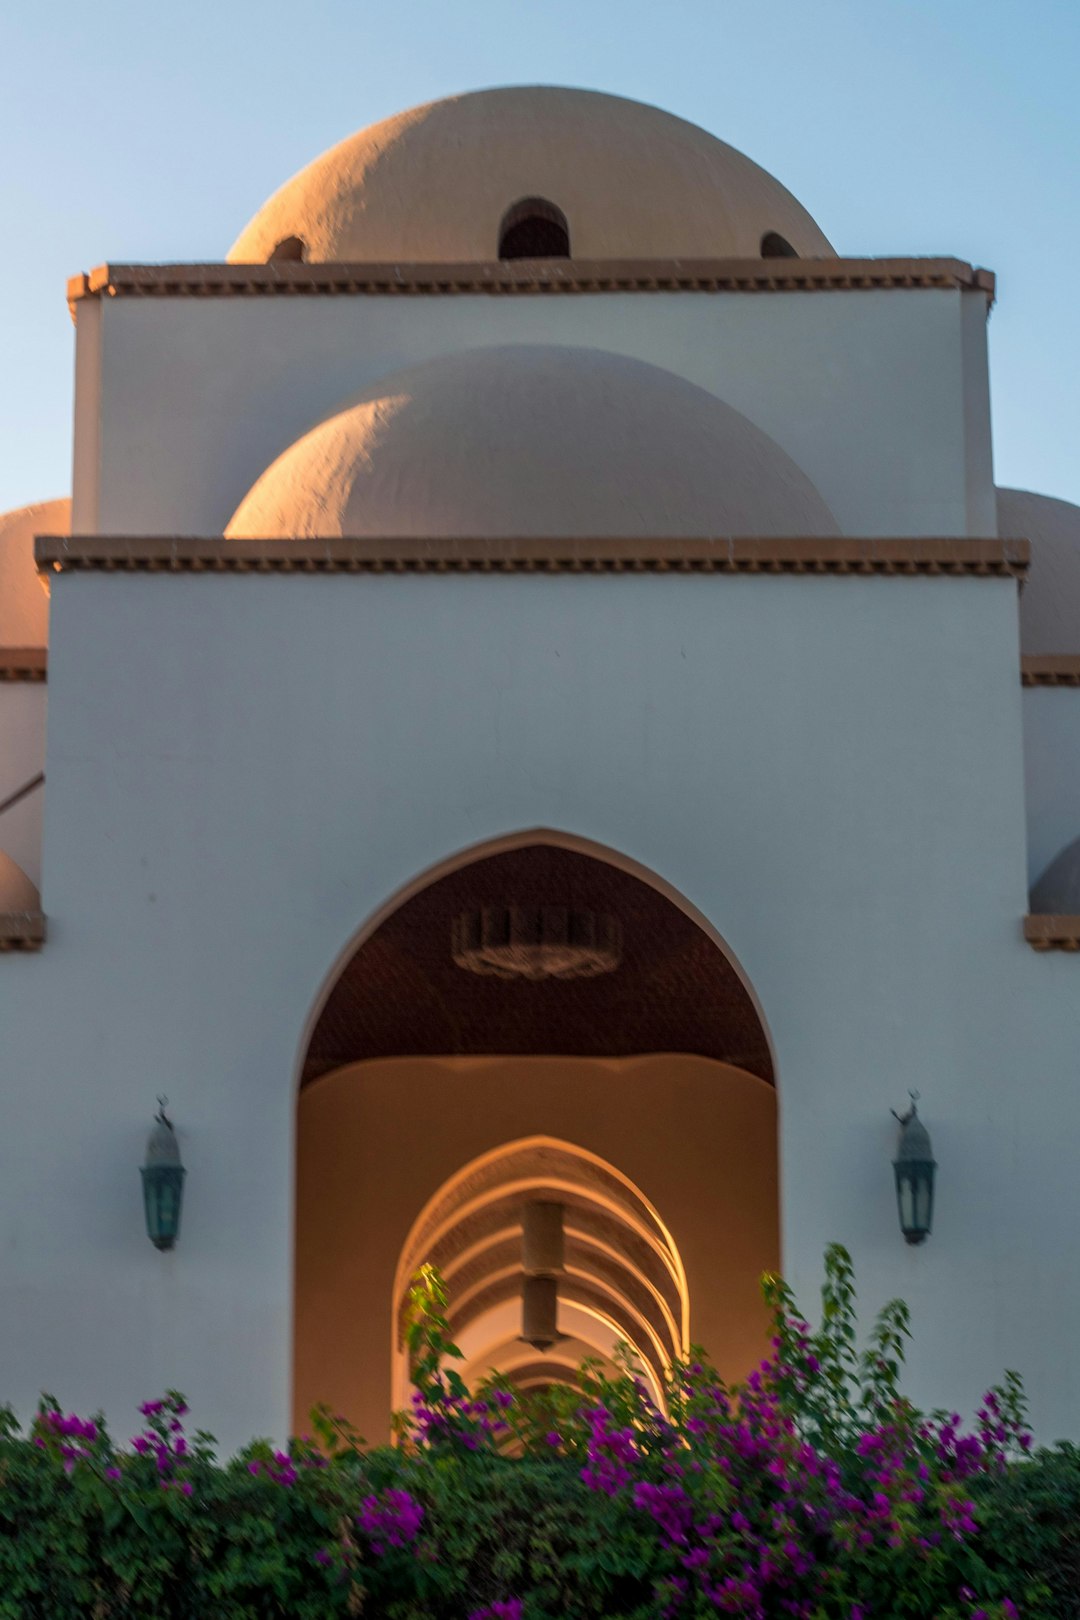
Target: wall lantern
<point>163,1181</point>
<point>540,1312</point>
<point>914,1166</point>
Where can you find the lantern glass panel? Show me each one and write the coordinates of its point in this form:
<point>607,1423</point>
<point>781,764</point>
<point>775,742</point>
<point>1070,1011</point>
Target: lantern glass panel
<point>906,1196</point>
<point>163,1186</point>
<point>915,1197</point>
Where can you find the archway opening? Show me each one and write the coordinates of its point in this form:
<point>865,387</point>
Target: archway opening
<point>775,246</point>
<point>615,1274</point>
<point>290,250</point>
<point>534,229</point>
<point>535,1025</point>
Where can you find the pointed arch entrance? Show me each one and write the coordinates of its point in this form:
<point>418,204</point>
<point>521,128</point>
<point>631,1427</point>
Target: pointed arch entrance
<point>537,1019</point>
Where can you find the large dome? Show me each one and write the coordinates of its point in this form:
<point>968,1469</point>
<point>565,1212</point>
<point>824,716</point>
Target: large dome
<point>533,442</point>
<point>17,893</point>
<point>24,606</point>
<point>434,184</point>
<point>1050,600</point>
<point>1057,891</point>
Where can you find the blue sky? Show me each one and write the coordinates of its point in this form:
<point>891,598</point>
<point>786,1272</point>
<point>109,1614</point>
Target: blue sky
<point>152,132</point>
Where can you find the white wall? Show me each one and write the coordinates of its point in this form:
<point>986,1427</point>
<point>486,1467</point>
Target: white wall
<point>880,396</point>
<point>86,455</point>
<point>978,439</point>
<point>22,756</point>
<point>830,769</point>
<point>1052,772</point>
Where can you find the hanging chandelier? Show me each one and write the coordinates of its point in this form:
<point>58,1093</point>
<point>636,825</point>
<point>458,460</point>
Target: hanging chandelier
<point>537,942</point>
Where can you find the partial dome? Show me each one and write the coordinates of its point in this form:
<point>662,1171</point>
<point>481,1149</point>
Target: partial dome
<point>435,185</point>
<point>1057,892</point>
<point>24,603</point>
<point>530,442</point>
<point>1050,600</point>
<point>17,893</point>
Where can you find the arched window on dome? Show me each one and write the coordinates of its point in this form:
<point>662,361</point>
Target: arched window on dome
<point>534,229</point>
<point>291,249</point>
<point>775,246</point>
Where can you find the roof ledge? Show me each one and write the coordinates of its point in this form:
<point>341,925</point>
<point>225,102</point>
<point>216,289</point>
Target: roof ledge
<point>499,277</point>
<point>1050,669</point>
<point>23,663</point>
<point>1045,932</point>
<point>22,930</point>
<point>903,558</point>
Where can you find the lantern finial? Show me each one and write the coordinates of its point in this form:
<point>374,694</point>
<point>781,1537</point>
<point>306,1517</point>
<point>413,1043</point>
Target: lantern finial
<point>902,1119</point>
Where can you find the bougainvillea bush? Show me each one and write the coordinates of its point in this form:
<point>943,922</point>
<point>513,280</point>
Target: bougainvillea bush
<point>815,1491</point>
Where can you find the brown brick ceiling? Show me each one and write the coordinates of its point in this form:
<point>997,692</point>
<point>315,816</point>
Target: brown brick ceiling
<point>402,995</point>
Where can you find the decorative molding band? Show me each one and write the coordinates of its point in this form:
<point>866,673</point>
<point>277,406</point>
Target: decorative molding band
<point>202,554</point>
<point>23,663</point>
<point>1048,933</point>
<point>1050,669</point>
<point>522,276</point>
<point>22,930</point>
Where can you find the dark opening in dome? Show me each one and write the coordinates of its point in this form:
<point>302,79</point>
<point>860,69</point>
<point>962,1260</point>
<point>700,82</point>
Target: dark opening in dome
<point>290,250</point>
<point>775,246</point>
<point>534,229</point>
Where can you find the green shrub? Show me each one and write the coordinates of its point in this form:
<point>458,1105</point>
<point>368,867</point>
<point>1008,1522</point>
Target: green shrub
<point>815,1490</point>
<point>1032,1521</point>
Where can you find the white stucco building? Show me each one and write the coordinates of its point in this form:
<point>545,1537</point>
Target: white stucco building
<point>533,547</point>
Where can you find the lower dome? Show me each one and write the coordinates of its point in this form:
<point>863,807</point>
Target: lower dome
<point>1050,600</point>
<point>1057,892</point>
<point>17,893</point>
<point>533,442</point>
<point>24,601</point>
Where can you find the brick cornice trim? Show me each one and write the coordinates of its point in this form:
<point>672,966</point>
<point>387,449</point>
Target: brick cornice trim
<point>799,555</point>
<point>1044,932</point>
<point>1050,669</point>
<point>23,663</point>
<point>524,276</point>
<point>22,930</point>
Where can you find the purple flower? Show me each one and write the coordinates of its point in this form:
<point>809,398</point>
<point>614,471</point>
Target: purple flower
<point>393,1522</point>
